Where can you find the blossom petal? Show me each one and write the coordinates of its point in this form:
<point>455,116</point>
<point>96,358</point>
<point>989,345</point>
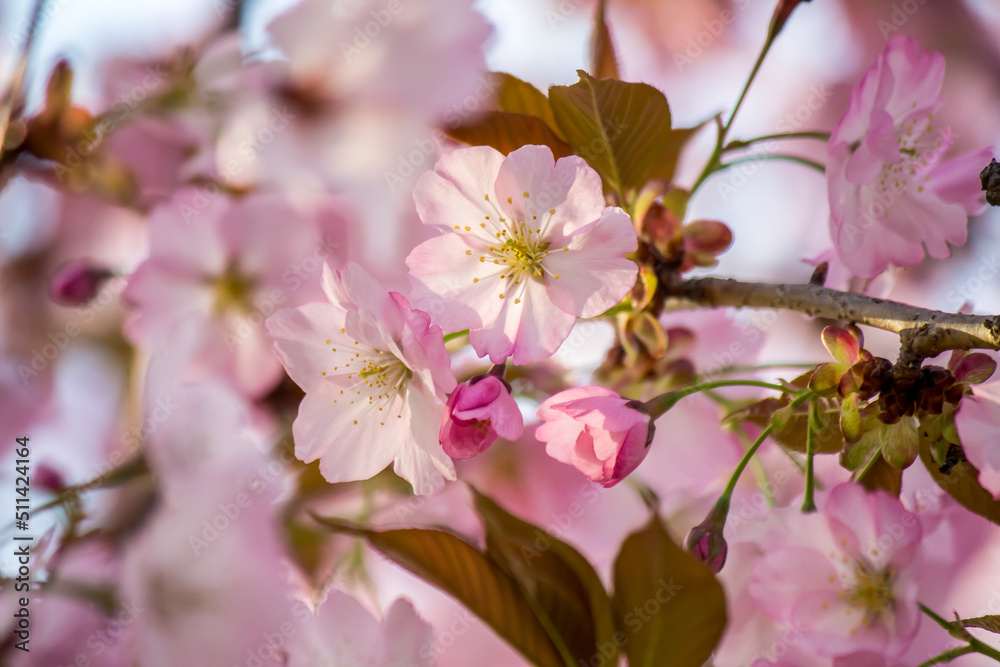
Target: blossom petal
<point>593,273</point>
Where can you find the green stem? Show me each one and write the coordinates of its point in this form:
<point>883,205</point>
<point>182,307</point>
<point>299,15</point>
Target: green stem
<point>948,656</point>
<point>741,466</point>
<point>957,631</point>
<point>659,405</point>
<point>808,504</point>
<point>756,445</point>
<point>713,162</point>
<point>778,157</point>
<point>448,337</point>
<point>739,144</point>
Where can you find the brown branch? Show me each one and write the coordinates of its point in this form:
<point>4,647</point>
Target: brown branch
<point>923,333</point>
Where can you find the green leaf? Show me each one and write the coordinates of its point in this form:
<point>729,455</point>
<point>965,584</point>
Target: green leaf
<point>666,163</point>
<point>961,482</point>
<point>456,567</point>
<point>671,609</point>
<point>991,623</point>
<point>567,592</point>
<point>791,428</point>
<point>604,62</point>
<point>507,132</point>
<point>621,129</point>
<point>517,96</point>
<point>882,475</point>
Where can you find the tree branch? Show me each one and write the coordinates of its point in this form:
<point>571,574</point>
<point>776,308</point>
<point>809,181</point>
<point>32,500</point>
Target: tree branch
<point>924,333</point>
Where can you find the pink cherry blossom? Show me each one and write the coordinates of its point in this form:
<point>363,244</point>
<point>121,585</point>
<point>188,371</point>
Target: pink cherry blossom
<point>225,267</point>
<point>596,431</point>
<point>846,577</point>
<point>978,422</point>
<point>891,195</point>
<point>375,373</point>
<point>528,247</point>
<point>343,632</point>
<point>478,412</point>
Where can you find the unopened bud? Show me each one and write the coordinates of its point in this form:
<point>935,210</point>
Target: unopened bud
<point>706,543</point>
<point>77,282</point>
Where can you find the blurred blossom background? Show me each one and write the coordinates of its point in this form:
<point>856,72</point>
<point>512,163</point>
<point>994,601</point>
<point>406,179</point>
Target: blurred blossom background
<point>87,406</point>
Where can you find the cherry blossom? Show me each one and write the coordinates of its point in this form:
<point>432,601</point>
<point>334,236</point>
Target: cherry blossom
<point>226,268</point>
<point>846,577</point>
<point>528,247</point>
<point>891,194</point>
<point>375,372</point>
<point>478,412</point>
<point>341,631</point>
<point>978,422</point>
<point>596,431</point>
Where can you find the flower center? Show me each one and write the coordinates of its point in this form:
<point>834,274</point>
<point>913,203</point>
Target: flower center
<point>516,247</point>
<point>233,290</point>
<point>919,147</point>
<point>871,593</point>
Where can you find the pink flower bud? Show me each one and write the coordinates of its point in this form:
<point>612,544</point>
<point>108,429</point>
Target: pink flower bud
<point>601,434</point>
<point>48,478</point>
<point>77,282</point>
<point>478,412</point>
<point>706,543</point>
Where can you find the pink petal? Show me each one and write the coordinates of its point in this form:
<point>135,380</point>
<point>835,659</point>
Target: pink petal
<point>454,193</point>
<point>456,289</point>
<point>593,273</point>
<point>569,186</point>
<point>348,451</point>
<point>299,336</point>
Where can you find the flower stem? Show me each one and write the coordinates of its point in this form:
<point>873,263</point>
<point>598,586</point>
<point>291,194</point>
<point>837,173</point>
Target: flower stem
<point>948,656</point>
<point>739,144</point>
<point>775,156</point>
<point>659,405</point>
<point>957,631</point>
<point>808,504</point>
<point>755,446</point>
<point>713,163</point>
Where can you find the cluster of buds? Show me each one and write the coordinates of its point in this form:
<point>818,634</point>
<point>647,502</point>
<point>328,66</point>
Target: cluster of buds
<point>885,406</point>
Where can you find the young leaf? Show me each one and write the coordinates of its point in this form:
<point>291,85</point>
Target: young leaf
<point>602,48</point>
<point>991,623</point>
<point>961,482</point>
<point>517,96</point>
<point>560,581</point>
<point>456,567</point>
<point>670,606</point>
<point>507,131</point>
<point>621,129</point>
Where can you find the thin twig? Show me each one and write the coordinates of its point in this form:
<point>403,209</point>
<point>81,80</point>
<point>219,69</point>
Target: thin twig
<point>925,333</point>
